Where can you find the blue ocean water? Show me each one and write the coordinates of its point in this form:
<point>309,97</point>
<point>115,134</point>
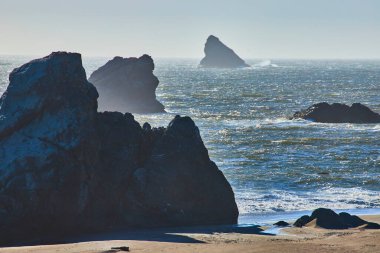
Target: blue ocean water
<point>274,165</point>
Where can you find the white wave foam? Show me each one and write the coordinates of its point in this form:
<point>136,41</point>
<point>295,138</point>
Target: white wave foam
<point>299,123</point>
<point>266,63</point>
<point>284,201</point>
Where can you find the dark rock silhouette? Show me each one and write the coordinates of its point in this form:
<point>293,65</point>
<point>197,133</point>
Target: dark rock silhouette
<point>65,168</point>
<point>338,113</point>
<point>219,55</point>
<point>281,224</point>
<point>327,218</point>
<point>302,221</point>
<point>127,85</point>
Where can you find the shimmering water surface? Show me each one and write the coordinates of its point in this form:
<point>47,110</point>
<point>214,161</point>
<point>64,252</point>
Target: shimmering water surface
<point>274,164</point>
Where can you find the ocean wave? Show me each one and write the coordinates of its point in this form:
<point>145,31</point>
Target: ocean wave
<point>284,201</point>
<point>265,63</point>
<point>299,123</point>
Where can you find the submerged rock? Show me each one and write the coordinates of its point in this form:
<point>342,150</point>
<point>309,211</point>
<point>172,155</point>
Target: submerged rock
<point>219,55</point>
<point>338,113</point>
<point>65,168</point>
<point>127,85</point>
<point>327,218</point>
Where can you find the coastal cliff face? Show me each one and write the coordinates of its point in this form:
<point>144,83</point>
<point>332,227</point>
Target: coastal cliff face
<point>338,113</point>
<point>127,85</point>
<point>218,55</point>
<point>66,168</point>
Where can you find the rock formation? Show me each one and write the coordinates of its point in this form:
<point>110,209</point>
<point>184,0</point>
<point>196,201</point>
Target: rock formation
<point>127,85</point>
<point>219,55</point>
<point>327,218</point>
<point>338,113</point>
<point>66,168</point>
<point>281,223</point>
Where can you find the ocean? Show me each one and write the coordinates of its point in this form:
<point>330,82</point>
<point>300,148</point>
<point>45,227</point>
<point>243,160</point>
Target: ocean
<point>275,165</point>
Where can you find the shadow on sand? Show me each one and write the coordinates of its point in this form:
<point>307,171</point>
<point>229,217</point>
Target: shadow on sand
<point>176,235</point>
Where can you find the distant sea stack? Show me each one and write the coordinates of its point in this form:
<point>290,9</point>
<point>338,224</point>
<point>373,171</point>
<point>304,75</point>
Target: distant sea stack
<point>219,55</point>
<point>338,113</point>
<point>127,85</point>
<point>66,168</point>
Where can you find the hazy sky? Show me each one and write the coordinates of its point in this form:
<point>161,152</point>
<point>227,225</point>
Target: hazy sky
<point>175,28</point>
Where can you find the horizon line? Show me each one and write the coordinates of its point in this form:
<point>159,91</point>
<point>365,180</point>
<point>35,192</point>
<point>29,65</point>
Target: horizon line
<point>198,58</point>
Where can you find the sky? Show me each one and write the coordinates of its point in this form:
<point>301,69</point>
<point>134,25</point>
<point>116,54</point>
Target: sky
<point>267,29</point>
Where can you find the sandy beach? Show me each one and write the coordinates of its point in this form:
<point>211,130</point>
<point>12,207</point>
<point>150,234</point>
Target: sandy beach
<point>220,239</point>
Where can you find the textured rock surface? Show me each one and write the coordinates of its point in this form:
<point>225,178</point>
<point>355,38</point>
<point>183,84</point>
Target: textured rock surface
<point>218,55</point>
<point>181,197</point>
<point>65,168</point>
<point>338,113</point>
<point>127,85</point>
<point>327,218</point>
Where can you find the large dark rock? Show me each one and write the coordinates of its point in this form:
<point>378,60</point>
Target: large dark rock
<point>219,55</point>
<point>338,113</point>
<point>302,221</point>
<point>281,223</point>
<point>170,188</point>
<point>327,218</point>
<point>65,168</point>
<point>127,85</point>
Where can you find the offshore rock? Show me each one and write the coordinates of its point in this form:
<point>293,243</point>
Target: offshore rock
<point>127,85</point>
<point>66,168</point>
<point>219,55</point>
<point>338,113</point>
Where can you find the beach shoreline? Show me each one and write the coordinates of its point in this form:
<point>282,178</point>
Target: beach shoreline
<point>220,239</point>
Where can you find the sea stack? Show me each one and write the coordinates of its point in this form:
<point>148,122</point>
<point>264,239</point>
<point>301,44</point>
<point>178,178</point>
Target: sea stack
<point>218,55</point>
<point>338,113</point>
<point>127,85</point>
<point>66,168</point>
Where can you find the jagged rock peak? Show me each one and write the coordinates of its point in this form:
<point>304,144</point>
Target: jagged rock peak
<point>127,85</point>
<point>218,55</point>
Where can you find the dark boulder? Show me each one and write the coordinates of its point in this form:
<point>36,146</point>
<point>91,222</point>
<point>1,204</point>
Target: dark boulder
<point>218,55</point>
<point>281,224</point>
<point>351,220</point>
<point>327,218</point>
<point>338,113</point>
<point>66,169</point>
<point>302,221</point>
<point>127,85</point>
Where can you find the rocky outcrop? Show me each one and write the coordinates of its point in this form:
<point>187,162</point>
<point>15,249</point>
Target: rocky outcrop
<point>66,168</point>
<point>327,218</point>
<point>218,55</point>
<point>127,85</point>
<point>338,113</point>
<point>281,223</point>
